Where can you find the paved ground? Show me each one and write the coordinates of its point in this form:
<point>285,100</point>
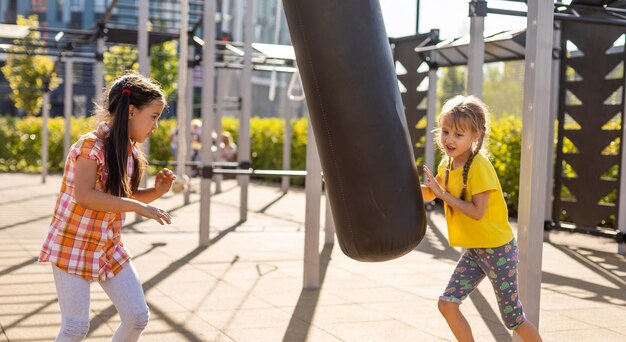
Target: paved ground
<point>247,286</point>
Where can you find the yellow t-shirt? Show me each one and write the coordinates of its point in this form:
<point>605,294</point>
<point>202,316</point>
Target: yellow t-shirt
<point>493,230</point>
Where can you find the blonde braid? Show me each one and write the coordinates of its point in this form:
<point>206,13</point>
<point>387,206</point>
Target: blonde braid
<point>468,163</point>
<point>447,174</point>
<point>446,177</point>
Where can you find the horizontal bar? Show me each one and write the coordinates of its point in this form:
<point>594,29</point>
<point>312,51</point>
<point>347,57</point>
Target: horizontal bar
<point>615,9</point>
<point>64,30</point>
<point>564,17</point>
<point>52,54</point>
<point>252,172</point>
<point>194,163</point>
<point>234,168</point>
<point>596,231</point>
<point>506,12</point>
<point>590,20</point>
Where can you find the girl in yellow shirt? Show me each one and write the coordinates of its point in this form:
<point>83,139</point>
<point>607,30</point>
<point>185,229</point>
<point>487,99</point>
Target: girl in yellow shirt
<point>477,218</point>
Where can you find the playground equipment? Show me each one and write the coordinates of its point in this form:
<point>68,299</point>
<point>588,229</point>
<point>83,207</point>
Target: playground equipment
<point>591,17</point>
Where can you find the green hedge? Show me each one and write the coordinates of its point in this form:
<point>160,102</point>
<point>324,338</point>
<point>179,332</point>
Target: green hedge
<point>20,146</point>
<point>505,151</point>
<point>21,142</point>
<point>23,138</point>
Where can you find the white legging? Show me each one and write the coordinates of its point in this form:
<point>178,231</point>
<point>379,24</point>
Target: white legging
<point>125,292</point>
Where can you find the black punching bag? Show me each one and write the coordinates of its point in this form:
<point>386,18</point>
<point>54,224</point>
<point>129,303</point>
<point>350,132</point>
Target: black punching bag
<point>358,120</point>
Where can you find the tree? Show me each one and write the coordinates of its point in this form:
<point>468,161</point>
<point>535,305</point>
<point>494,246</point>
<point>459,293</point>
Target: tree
<point>163,63</point>
<point>27,72</point>
<point>503,88</point>
<point>118,59</point>
<point>452,84</point>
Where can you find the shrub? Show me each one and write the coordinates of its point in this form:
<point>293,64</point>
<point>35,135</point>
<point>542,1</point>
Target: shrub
<point>23,138</point>
<point>505,150</point>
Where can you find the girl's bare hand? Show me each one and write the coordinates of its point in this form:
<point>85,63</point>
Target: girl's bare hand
<point>154,213</point>
<point>164,180</point>
<point>432,183</point>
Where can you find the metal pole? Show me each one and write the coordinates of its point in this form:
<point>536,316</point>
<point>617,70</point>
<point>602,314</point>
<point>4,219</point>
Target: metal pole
<point>142,38</point>
<point>429,148</point>
<point>45,114</point>
<point>238,20</point>
<point>621,220</point>
<point>476,53</point>
<point>181,110</point>
<point>246,106</point>
<point>219,108</point>
<point>68,85</point>
<point>67,13</point>
<point>417,18</point>
<point>621,212</point>
<point>144,69</point>
<point>554,107</point>
<point>208,75</point>
<point>99,67</point>
<point>313,193</point>
<point>225,13</point>
<point>287,111</point>
<point>533,175</point>
<point>273,80</point>
<point>189,115</point>
<point>329,225</point>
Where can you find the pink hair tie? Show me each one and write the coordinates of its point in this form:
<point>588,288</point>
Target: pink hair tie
<point>126,91</point>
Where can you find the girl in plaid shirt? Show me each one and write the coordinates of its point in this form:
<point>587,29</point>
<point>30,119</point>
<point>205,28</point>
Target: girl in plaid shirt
<point>100,184</point>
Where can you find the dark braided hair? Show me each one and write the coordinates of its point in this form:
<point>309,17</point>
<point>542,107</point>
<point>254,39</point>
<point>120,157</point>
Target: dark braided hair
<point>464,112</point>
<point>130,89</point>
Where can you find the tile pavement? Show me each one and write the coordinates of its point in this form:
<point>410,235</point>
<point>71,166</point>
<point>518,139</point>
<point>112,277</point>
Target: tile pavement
<point>247,285</point>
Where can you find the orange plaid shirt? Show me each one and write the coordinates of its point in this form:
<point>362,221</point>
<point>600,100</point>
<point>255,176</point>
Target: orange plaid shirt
<point>82,241</point>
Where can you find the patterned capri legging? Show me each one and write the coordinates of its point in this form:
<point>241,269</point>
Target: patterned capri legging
<point>500,265</point>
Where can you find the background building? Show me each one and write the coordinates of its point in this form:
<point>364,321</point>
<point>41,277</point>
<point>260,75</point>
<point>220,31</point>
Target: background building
<point>163,16</point>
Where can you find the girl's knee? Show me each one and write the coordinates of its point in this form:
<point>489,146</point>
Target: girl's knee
<point>447,307</point>
<point>137,320</point>
<point>74,329</point>
<point>140,319</point>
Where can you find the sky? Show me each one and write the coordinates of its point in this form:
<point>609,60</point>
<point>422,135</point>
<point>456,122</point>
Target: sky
<point>449,16</point>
